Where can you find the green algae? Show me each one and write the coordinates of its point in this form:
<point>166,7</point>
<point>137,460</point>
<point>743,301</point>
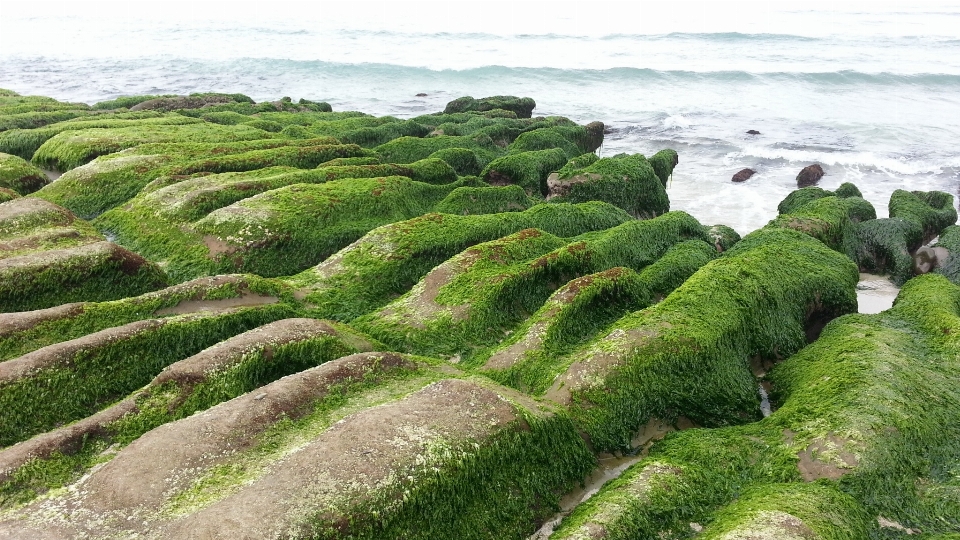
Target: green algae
<point>868,412</point>
<point>522,107</point>
<point>112,180</point>
<point>18,175</point>
<point>765,297</point>
<point>802,196</point>
<point>389,260</point>
<point>91,272</point>
<point>463,160</point>
<point>410,149</point>
<point>477,295</point>
<point>573,140</point>
<point>71,149</point>
<point>25,142</point>
<point>484,200</point>
<point>932,211</point>
<point>663,163</point>
<point>81,319</point>
<point>91,378</point>
<point>529,170</point>
<point>629,182</point>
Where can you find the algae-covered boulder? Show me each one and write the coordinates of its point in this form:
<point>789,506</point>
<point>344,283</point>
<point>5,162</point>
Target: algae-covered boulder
<point>869,409</point>
<point>48,257</point>
<point>522,107</point>
<point>629,182</point>
<point>389,260</point>
<point>463,160</point>
<point>468,200</point>
<point>73,148</point>
<point>18,175</point>
<point>529,170</point>
<point>471,298</point>
<point>114,179</point>
<point>573,140</point>
<point>24,142</point>
<point>663,163</point>
<point>766,297</point>
<point>193,101</point>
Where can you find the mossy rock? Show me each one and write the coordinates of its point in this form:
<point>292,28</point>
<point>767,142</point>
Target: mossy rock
<point>410,149</point>
<point>463,160</point>
<point>663,163</point>
<point>766,297</point>
<point>125,102</point>
<point>931,210</point>
<point>854,423</point>
<point>832,220</point>
<point>389,260</point>
<point>193,101</point>
<point>112,180</point>
<point>69,150</point>
<point>18,175</point>
<point>25,142</point>
<point>522,107</point>
<point>576,312</point>
<point>628,182</point>
<point>471,298</point>
<point>8,195</point>
<point>469,200</point>
<point>573,140</point>
<point>529,170</point>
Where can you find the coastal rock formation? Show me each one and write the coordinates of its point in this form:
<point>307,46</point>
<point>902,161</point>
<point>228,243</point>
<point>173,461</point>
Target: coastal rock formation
<point>743,175</point>
<point>443,325</point>
<point>809,176</point>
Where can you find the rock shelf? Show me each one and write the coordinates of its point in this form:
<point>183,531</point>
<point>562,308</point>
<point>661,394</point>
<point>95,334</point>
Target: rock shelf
<point>230,319</point>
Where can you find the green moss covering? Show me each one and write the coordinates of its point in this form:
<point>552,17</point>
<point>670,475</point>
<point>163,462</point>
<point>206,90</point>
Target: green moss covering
<point>832,220</point>
<point>463,160</point>
<point>61,324</point>
<point>795,512</point>
<point>68,150</point>
<point>18,175</point>
<point>429,170</point>
<point>883,246</point>
<point>33,120</point>
<point>112,180</point>
<point>723,237</point>
<point>767,296</point>
<point>663,163</point>
<point>575,313</point>
<point>869,411</point>
<point>389,260</point>
<point>470,299</point>
<point>628,182</point>
<point>92,272</point>
<point>226,118</point>
<point>484,200</point>
<point>24,142</point>
<point>350,161</point>
<point>802,196</point>
<point>7,194</point>
<point>410,149</point>
<point>573,140</point>
<point>90,378</point>
<point>522,107</point>
<point>529,170</point>
<point>931,210</point>
<point>125,102</point>
<point>950,240</point>
<point>157,224</point>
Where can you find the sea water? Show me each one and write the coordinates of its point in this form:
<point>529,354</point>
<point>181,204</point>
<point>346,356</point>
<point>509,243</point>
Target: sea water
<point>871,92</point>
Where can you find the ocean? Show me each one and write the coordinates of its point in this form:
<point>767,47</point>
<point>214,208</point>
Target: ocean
<point>869,90</point>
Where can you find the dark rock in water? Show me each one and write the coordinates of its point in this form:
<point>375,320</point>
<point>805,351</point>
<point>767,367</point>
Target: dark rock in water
<point>743,175</point>
<point>753,132</point>
<point>421,94</point>
<point>810,175</point>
